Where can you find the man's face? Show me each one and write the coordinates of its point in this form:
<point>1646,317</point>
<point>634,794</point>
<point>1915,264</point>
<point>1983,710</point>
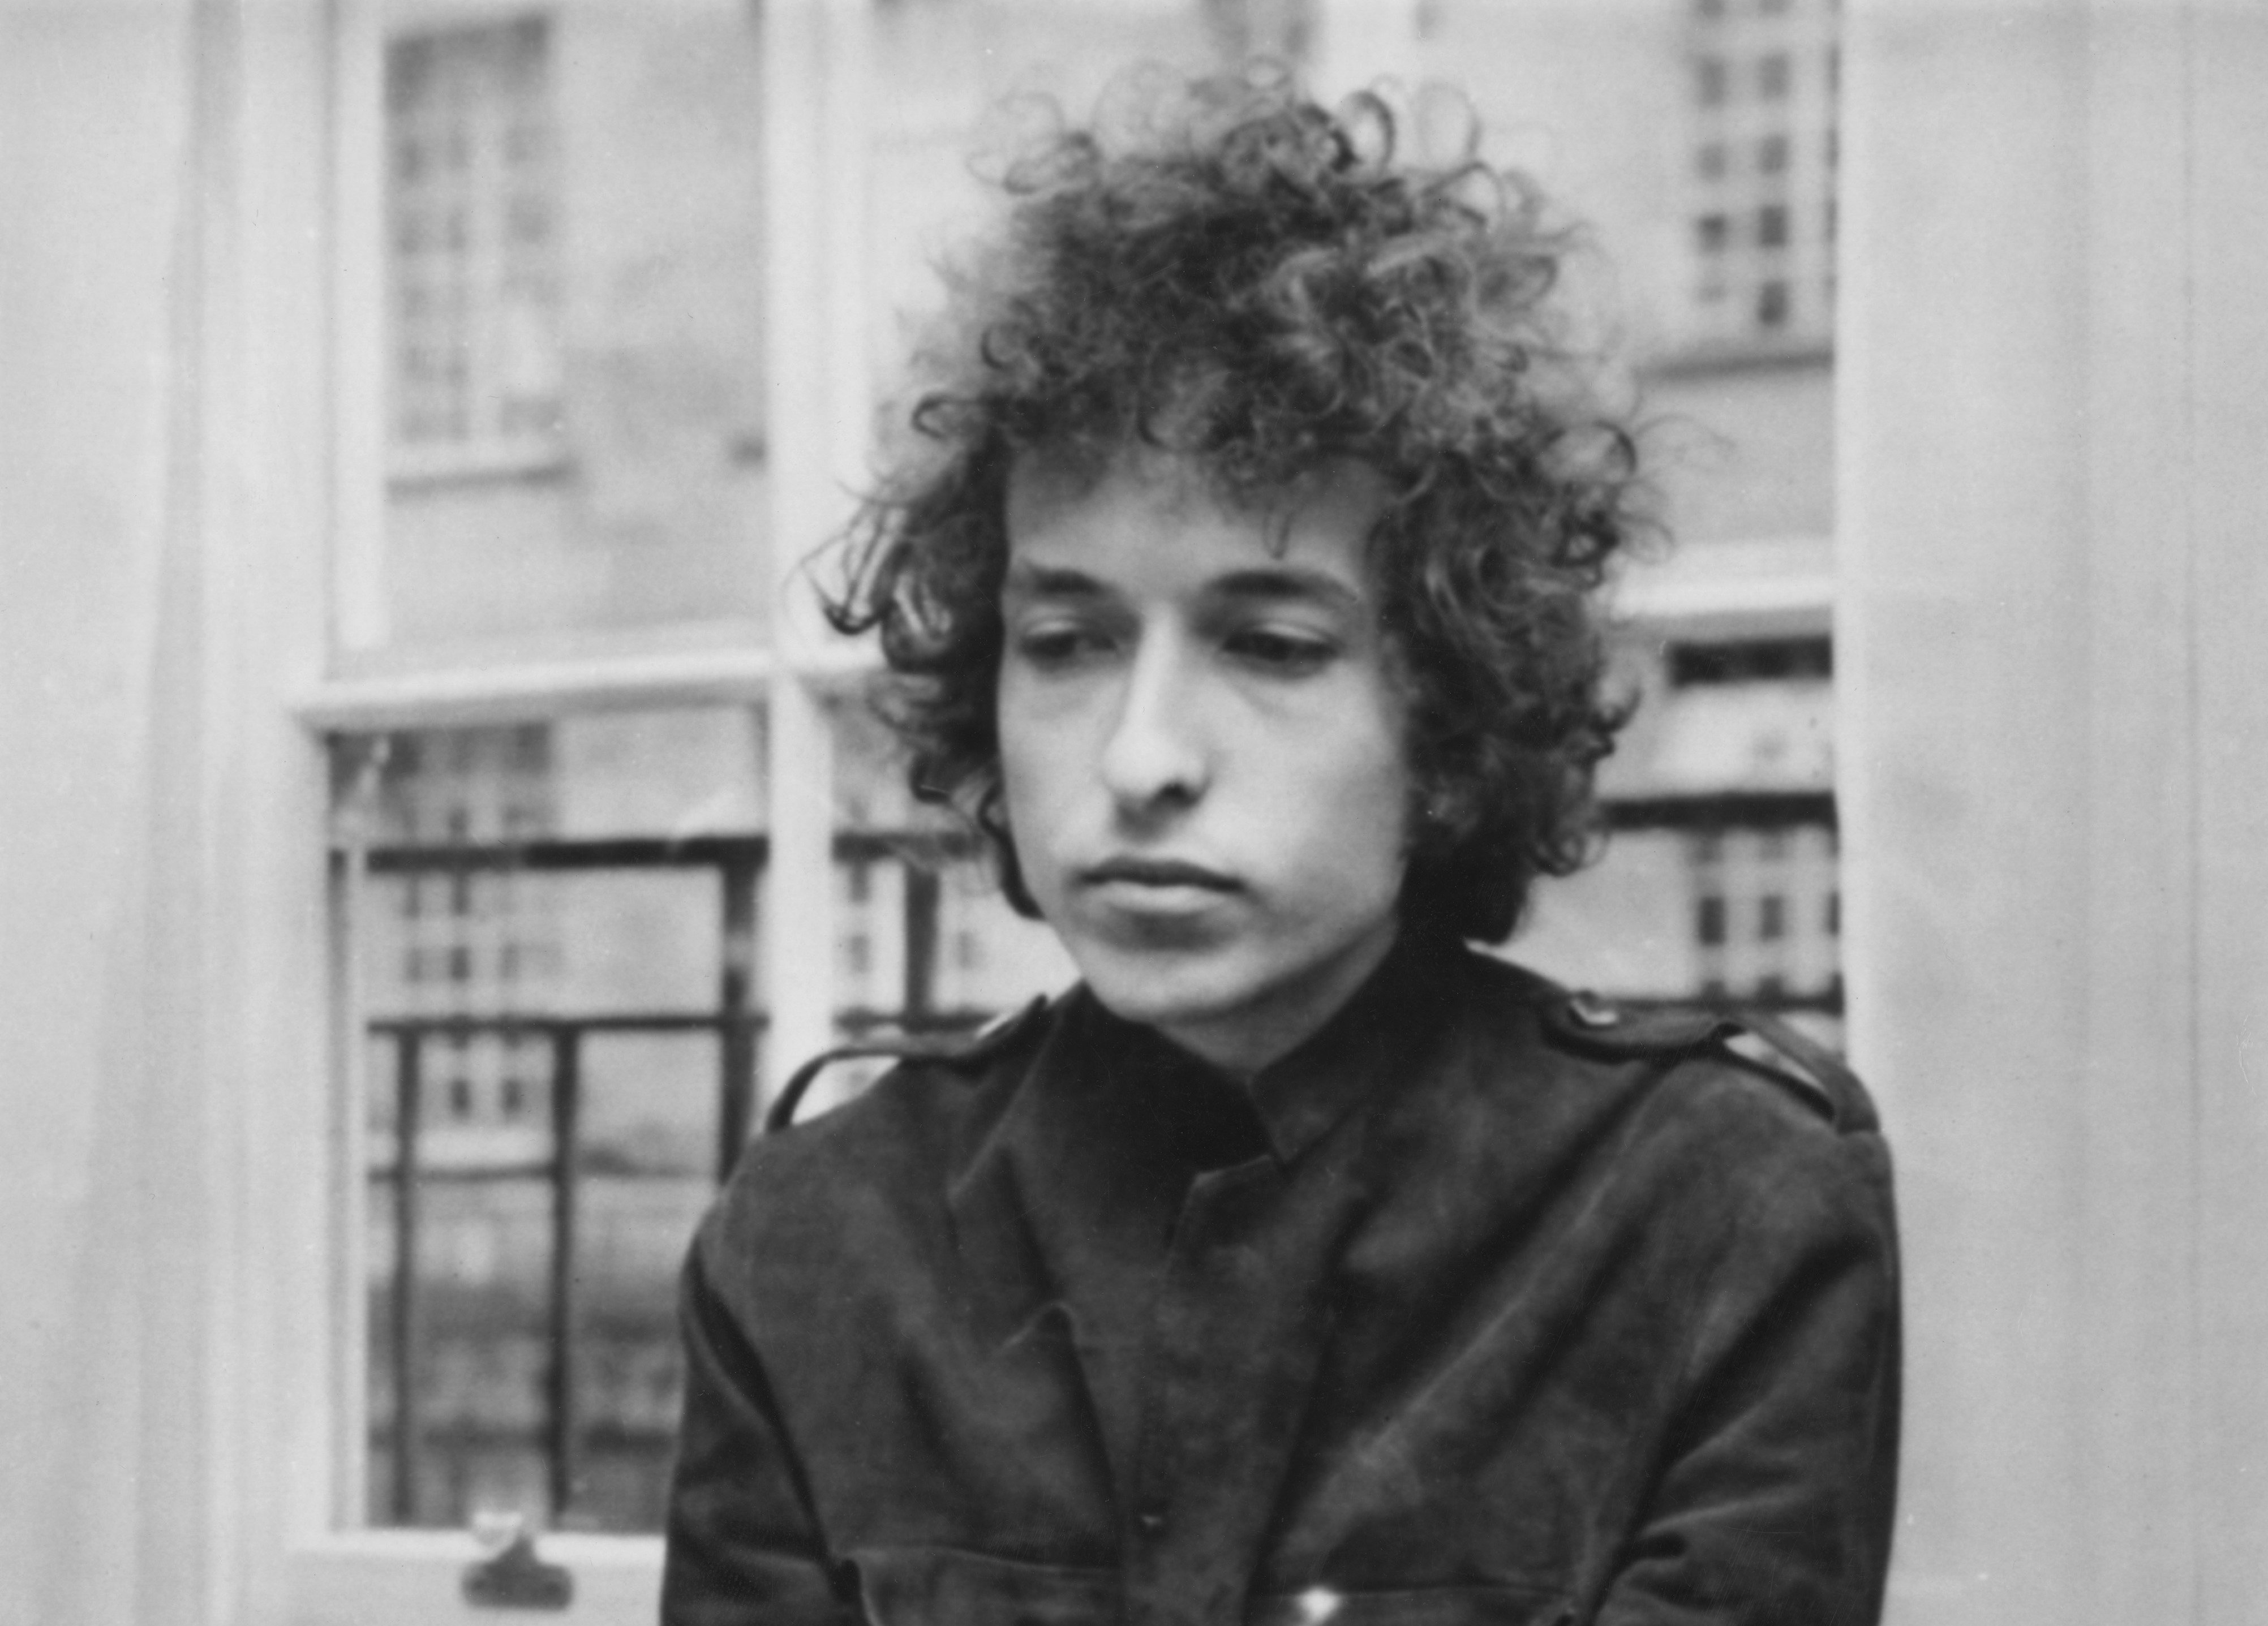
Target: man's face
<point>1201,737</point>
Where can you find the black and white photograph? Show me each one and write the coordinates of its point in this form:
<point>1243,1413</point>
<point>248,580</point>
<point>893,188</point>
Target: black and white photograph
<point>1134,812</point>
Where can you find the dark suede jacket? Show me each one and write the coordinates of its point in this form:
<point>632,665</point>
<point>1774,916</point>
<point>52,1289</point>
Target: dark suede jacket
<point>1484,1305</point>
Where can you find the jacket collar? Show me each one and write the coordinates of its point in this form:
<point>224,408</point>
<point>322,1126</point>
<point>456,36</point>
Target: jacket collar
<point>1381,1031</point>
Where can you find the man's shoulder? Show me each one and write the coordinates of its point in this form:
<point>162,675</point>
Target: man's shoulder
<point>916,1065</point>
<point>1686,1093</point>
<point>897,1138</point>
<point>1700,1109</point>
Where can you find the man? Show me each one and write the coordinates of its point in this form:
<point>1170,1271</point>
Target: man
<point>1303,1263</point>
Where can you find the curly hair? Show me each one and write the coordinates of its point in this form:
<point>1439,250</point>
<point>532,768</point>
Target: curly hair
<point>1257,283</point>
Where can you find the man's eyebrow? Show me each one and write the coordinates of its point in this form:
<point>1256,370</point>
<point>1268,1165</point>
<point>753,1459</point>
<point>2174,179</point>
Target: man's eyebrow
<point>1027,580</point>
<point>1287,581</point>
<point>1264,583</point>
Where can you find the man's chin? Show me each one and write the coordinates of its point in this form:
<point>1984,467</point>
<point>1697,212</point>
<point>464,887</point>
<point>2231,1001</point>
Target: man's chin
<point>1162,999</point>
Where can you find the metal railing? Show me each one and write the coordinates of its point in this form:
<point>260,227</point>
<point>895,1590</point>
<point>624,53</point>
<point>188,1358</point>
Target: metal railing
<point>409,1432</point>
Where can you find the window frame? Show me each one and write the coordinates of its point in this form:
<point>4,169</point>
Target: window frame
<point>335,1566</point>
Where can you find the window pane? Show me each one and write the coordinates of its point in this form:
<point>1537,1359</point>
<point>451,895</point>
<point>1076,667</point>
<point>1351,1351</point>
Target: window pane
<point>554,927</point>
<point>575,436</point>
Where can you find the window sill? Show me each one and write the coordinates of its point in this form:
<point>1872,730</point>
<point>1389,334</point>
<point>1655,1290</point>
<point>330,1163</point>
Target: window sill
<point>355,1577</point>
<point>496,464</point>
<point>528,691</point>
<point>1756,354</point>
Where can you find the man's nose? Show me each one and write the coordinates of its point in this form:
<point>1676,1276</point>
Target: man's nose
<point>1155,754</point>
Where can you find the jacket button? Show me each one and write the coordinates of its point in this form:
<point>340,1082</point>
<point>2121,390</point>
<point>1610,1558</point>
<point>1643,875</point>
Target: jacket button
<point>1590,1011</point>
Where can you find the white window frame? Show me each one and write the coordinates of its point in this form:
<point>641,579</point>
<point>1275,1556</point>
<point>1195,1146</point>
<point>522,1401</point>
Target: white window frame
<point>335,1568</point>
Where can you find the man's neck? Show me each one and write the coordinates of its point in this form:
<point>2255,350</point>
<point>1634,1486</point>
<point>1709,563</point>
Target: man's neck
<point>1244,1043</point>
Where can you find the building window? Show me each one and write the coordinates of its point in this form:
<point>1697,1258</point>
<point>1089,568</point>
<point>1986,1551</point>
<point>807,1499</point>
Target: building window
<point>472,198</point>
<point>1762,133</point>
<point>1764,910</point>
<point>1763,660</point>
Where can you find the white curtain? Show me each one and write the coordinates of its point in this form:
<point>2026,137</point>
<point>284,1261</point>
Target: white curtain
<point>149,780</point>
<point>2053,480</point>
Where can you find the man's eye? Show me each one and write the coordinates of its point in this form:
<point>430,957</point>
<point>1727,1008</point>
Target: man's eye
<point>1283,653</point>
<point>1059,644</point>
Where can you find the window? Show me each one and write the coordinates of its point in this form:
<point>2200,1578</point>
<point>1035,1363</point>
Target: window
<point>1751,661</point>
<point>1763,91</point>
<point>1765,908</point>
<point>472,249</point>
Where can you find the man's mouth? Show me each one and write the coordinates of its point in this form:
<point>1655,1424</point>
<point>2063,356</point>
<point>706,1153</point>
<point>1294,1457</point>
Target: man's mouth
<point>1159,873</point>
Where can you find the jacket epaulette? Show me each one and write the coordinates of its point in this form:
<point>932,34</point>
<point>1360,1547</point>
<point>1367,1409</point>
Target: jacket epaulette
<point>963,1051</point>
<point>1765,1044</point>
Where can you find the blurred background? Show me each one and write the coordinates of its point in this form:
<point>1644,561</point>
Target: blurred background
<point>438,822</point>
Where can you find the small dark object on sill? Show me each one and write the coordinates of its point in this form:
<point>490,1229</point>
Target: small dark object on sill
<point>516,1578</point>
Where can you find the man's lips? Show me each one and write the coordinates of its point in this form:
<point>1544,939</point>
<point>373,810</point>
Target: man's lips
<point>1157,872</point>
